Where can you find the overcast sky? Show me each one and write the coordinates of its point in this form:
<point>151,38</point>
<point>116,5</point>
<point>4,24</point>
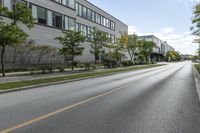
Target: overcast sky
<point>170,20</point>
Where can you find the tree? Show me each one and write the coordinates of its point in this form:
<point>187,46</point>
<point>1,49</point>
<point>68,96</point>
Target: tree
<point>20,13</point>
<point>132,46</point>
<point>196,23</point>
<point>117,49</point>
<point>146,48</point>
<point>173,56</point>
<point>42,51</point>
<point>98,41</point>
<point>11,34</point>
<point>71,44</point>
<point>198,52</point>
<point>196,20</point>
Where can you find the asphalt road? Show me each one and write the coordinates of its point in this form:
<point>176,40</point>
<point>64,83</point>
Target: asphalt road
<point>156,100</point>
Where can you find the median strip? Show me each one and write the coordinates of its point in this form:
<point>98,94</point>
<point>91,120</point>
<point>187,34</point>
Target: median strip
<point>20,85</point>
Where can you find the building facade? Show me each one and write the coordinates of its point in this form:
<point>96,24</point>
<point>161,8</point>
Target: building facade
<point>161,49</point>
<point>166,48</point>
<point>53,16</point>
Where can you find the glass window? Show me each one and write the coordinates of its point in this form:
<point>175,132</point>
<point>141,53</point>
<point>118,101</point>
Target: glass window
<point>108,23</point>
<point>71,3</point>
<point>89,14</point>
<point>8,4</point>
<point>57,20</point>
<point>58,1</point>
<point>93,16</point>
<point>112,25</point>
<point>103,21</point>
<point>34,12</point>
<point>49,18</point>
<point>71,24</point>
<point>80,10</point>
<point>89,31</point>
<point>64,2</point>
<point>66,23</point>
<point>113,39</point>
<point>76,7</point>
<point>84,12</point>
<point>98,18</point>
<point>84,30</point>
<point>77,27</point>
<point>41,15</point>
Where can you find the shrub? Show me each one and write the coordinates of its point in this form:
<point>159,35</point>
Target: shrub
<point>127,63</point>
<point>109,63</point>
<point>198,67</point>
<point>74,63</point>
<point>87,65</point>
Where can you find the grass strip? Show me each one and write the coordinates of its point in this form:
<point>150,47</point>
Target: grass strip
<point>197,66</point>
<point>26,83</point>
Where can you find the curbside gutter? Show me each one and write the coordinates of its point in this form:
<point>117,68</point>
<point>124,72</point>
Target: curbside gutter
<point>197,80</point>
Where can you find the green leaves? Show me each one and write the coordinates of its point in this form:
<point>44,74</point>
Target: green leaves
<point>196,20</point>
<point>21,13</point>
<point>173,56</point>
<point>71,43</point>
<point>11,34</point>
<point>98,41</point>
<point>146,48</point>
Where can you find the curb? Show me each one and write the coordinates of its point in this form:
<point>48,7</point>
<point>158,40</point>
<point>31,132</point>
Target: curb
<point>197,80</point>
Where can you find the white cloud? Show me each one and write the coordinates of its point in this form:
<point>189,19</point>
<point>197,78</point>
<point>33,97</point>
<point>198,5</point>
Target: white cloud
<point>187,33</point>
<point>132,29</point>
<point>167,30</point>
<point>186,2</point>
<point>182,42</point>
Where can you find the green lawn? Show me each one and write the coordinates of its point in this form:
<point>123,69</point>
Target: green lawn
<point>18,84</point>
<point>197,67</point>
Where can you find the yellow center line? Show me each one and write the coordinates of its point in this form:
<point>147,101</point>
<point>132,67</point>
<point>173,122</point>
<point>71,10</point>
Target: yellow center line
<point>59,111</point>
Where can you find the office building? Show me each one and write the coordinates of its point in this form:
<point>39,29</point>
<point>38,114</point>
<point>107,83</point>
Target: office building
<point>161,49</point>
<point>53,16</point>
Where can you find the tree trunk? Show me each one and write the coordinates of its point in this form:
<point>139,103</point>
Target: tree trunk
<point>72,63</point>
<point>14,55</point>
<point>133,56</point>
<point>2,61</point>
<point>95,52</point>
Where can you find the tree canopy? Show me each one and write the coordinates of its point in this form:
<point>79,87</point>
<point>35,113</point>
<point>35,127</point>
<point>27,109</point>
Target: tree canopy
<point>71,42</point>
<point>146,48</point>
<point>10,33</point>
<point>98,41</point>
<point>173,56</point>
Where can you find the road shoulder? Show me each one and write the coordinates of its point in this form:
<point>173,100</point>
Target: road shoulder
<point>197,80</point>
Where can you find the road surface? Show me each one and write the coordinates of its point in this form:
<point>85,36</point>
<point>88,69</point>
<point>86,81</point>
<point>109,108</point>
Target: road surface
<point>156,100</point>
